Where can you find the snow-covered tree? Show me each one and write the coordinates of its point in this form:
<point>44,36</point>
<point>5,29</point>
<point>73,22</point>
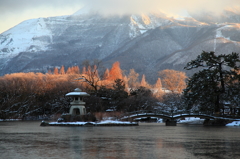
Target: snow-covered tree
<point>172,102</point>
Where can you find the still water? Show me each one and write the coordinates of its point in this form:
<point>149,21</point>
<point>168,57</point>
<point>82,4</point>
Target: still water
<point>27,140</point>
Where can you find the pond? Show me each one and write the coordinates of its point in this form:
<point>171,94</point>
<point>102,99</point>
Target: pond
<point>28,140</point>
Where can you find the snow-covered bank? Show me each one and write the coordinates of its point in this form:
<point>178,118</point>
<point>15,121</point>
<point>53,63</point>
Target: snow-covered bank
<point>234,123</point>
<point>191,120</point>
<point>102,123</point>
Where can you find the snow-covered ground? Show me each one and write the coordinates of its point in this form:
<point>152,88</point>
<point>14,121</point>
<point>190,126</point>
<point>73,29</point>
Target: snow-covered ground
<point>95,123</point>
<point>69,123</point>
<point>191,120</point>
<point>234,123</point>
<point>114,122</point>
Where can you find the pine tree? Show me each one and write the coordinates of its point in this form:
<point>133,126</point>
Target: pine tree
<point>143,82</point>
<point>55,71</point>
<point>158,84</point>
<point>158,92</point>
<point>69,70</point>
<point>115,72</point>
<point>76,69</point>
<point>62,70</point>
<point>89,70</point>
<point>133,79</point>
<point>125,80</point>
<point>106,74</point>
<point>119,85</point>
<point>217,83</point>
<point>95,71</point>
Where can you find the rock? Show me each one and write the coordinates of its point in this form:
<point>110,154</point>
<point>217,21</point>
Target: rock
<point>43,123</point>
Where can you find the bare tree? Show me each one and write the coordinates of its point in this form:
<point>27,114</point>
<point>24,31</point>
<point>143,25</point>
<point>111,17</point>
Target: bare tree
<point>91,76</point>
<point>173,80</point>
<point>133,79</point>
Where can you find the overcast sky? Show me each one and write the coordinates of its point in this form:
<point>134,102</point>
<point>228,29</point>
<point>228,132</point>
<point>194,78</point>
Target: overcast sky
<point>12,12</point>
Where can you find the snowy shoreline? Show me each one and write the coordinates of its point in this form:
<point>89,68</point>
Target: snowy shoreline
<point>188,121</point>
<point>234,123</point>
<point>193,121</point>
<point>102,123</point>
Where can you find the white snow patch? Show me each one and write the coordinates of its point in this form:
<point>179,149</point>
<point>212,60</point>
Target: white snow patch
<point>98,123</point>
<point>192,120</point>
<point>114,122</point>
<point>219,32</point>
<point>141,24</point>
<point>77,94</point>
<point>234,123</point>
<point>219,35</point>
<point>69,123</point>
<point>143,31</point>
<point>25,36</point>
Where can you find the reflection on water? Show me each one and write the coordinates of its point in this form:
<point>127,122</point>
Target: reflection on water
<point>27,140</point>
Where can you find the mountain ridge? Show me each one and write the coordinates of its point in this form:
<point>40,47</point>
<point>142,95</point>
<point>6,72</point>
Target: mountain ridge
<point>147,43</point>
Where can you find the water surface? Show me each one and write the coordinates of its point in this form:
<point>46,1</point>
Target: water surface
<point>27,140</point>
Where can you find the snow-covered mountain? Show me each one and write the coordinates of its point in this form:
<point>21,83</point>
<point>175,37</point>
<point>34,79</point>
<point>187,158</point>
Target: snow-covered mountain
<point>147,42</point>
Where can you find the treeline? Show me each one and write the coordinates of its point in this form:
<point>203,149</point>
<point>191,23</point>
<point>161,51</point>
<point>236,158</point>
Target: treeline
<point>38,95</point>
<point>169,80</point>
<point>32,94</point>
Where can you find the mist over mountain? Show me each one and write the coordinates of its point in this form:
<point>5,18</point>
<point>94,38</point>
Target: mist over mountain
<point>227,16</point>
<point>146,42</point>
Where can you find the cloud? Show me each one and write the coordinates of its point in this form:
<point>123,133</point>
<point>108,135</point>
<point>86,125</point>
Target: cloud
<point>19,6</point>
<point>13,12</point>
<point>168,6</point>
<point>117,6</point>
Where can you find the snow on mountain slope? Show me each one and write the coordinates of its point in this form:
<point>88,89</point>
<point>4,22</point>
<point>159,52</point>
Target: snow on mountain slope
<point>147,42</point>
<point>142,23</point>
<point>37,34</point>
<point>31,35</point>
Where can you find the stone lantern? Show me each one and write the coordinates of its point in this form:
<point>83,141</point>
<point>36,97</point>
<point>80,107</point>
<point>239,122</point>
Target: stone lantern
<point>77,104</point>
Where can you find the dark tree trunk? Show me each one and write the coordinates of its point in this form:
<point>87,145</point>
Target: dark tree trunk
<point>217,105</point>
